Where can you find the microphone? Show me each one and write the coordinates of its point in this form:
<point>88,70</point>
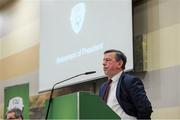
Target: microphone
<point>52,90</point>
<point>91,72</point>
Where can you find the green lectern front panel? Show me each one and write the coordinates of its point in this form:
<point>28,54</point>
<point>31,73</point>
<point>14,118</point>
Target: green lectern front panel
<point>79,106</point>
<point>64,107</point>
<point>92,107</point>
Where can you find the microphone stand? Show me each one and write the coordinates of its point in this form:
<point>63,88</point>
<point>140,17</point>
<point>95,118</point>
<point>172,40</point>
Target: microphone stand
<point>52,90</point>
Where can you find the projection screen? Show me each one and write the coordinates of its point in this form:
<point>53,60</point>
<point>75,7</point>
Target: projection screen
<point>74,35</point>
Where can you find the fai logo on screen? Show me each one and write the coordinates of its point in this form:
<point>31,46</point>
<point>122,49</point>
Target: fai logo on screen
<point>77,17</point>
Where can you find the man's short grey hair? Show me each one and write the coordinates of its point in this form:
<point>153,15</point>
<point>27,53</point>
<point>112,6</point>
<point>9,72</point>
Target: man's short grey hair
<point>119,56</point>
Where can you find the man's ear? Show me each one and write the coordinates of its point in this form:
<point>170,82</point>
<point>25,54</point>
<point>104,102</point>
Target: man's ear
<point>120,63</point>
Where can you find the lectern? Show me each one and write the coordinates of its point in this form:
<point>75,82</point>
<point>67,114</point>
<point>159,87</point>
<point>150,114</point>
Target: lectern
<point>80,105</point>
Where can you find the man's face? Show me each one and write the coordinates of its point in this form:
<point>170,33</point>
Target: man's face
<point>11,116</point>
<point>110,66</point>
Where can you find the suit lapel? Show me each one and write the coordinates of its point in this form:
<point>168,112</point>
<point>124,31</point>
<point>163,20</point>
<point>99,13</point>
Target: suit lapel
<point>119,85</point>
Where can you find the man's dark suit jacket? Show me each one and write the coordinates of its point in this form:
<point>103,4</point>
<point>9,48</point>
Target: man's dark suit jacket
<point>131,96</point>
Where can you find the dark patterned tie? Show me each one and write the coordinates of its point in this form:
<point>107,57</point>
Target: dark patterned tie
<point>106,93</point>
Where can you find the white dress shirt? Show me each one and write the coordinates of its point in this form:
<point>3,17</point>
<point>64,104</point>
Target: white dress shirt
<point>112,101</point>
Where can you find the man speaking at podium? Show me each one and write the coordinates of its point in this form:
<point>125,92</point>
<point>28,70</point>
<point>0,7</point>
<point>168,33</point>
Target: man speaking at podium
<point>123,93</point>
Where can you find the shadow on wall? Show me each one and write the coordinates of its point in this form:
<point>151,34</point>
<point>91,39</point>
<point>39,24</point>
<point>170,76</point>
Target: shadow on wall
<point>5,4</point>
